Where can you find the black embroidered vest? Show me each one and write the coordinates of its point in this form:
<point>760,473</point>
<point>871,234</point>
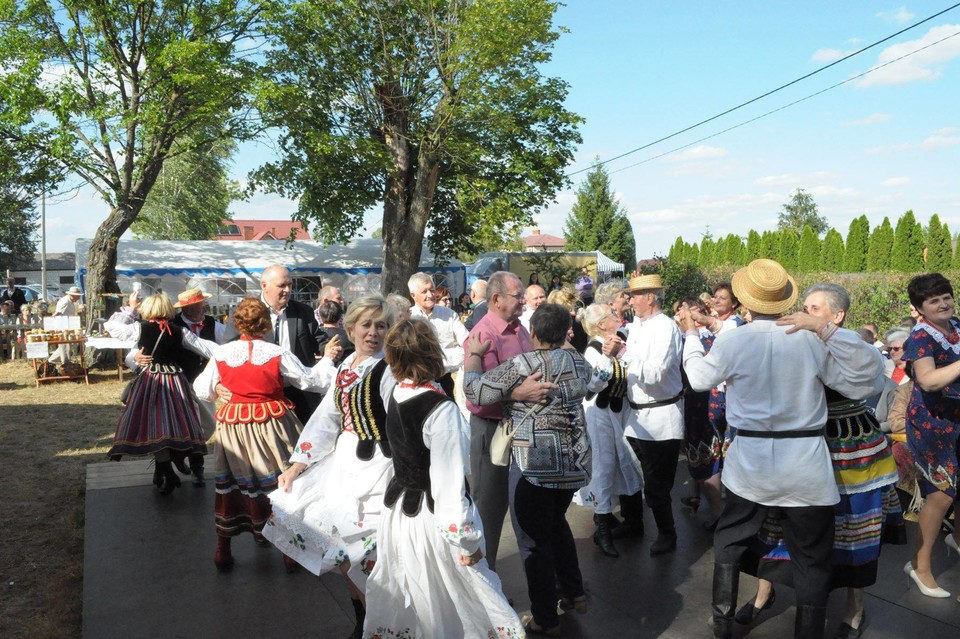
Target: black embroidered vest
<point>192,363</point>
<point>616,388</point>
<point>411,459</point>
<point>367,412</point>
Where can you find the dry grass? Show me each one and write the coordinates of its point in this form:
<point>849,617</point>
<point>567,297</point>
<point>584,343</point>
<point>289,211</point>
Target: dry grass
<point>47,437</point>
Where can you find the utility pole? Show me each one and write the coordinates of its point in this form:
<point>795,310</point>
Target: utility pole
<point>43,245</point>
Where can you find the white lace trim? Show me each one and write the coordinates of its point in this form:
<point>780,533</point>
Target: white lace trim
<point>939,337</point>
<point>235,353</point>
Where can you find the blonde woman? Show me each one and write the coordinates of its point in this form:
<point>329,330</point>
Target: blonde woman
<point>569,300</point>
<point>160,417</point>
<point>614,469</point>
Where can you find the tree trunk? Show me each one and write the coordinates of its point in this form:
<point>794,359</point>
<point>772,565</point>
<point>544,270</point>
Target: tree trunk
<point>102,263</point>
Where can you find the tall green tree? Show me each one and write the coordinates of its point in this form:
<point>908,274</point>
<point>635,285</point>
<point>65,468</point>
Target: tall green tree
<point>801,210</point>
<point>789,249</point>
<point>881,247</point>
<point>733,250</point>
<point>692,254</point>
<point>754,247</point>
<point>598,222</point>
<point>858,243</point>
<point>191,196</point>
<point>955,264</point>
<point>808,255</point>
<point>832,256</point>
<point>437,108</point>
<point>908,243</point>
<point>676,253</point>
<point>24,175</point>
<point>708,250</point>
<point>939,250</point>
<point>133,79</point>
<point>770,245</point>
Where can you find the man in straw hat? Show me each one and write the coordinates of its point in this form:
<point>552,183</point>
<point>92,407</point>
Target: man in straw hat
<point>192,316</point>
<point>775,373</point>
<point>654,426</point>
<point>68,305</point>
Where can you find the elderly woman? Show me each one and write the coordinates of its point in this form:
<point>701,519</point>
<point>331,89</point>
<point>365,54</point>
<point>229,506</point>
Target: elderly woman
<point>256,427</point>
<point>160,418</point>
<point>550,457</point>
<point>614,467</point>
<point>430,579</point>
<point>327,513</point>
<point>895,367</point>
<point>933,417</point>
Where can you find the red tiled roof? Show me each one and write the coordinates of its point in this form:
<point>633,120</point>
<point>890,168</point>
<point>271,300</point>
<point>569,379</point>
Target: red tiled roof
<point>542,239</point>
<point>262,230</point>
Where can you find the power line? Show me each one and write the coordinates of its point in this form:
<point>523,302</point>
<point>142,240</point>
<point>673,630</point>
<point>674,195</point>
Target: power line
<point>768,93</point>
<point>786,106</point>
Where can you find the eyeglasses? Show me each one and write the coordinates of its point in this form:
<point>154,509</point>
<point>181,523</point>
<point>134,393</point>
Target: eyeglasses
<point>518,296</point>
<point>894,348</point>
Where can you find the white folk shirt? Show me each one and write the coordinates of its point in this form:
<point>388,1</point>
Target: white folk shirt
<point>525,318</point>
<point>451,333</point>
<point>775,383</point>
<point>652,358</point>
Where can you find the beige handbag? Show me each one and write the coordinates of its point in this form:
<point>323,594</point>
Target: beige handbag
<point>501,444</point>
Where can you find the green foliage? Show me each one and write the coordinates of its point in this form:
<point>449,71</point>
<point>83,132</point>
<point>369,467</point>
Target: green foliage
<point>832,253</point>
<point>190,198</point>
<point>754,247</point>
<point>597,222</point>
<point>770,245</point>
<point>680,280</point>
<point>955,265</point>
<point>789,249</point>
<point>691,254</point>
<point>808,255</point>
<point>548,263</point>
<point>907,245</point>
<point>24,175</point>
<point>707,253</point>
<point>801,211</point>
<point>939,246</point>
<point>677,251</point>
<point>437,108</point>
<point>881,247</point>
<point>733,250</point>
<point>858,239</point>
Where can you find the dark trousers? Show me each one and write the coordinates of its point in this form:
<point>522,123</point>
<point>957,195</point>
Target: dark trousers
<point>807,531</point>
<point>547,548</point>
<point>488,485</point>
<point>305,402</point>
<point>658,461</point>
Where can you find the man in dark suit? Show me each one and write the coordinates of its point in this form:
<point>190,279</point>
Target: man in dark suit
<point>14,294</point>
<point>294,328</point>
<point>478,295</point>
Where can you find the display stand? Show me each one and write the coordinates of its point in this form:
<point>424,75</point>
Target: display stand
<point>83,374</point>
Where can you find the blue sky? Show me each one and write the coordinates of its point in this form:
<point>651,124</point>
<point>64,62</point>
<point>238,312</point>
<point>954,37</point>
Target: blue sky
<point>639,71</point>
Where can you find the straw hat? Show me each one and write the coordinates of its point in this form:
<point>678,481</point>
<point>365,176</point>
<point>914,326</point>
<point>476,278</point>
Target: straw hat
<point>644,283</point>
<point>74,290</point>
<point>191,296</point>
<point>765,287</point>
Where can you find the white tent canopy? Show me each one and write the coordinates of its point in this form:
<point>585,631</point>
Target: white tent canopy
<point>230,270</point>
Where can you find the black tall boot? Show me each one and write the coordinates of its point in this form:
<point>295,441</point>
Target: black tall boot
<point>361,613</point>
<point>726,579</point>
<point>196,468</point>
<point>602,537</point>
<point>631,509</point>
<point>810,622</point>
<point>666,540</point>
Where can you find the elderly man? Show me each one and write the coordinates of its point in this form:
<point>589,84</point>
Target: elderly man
<point>507,337</point>
<point>294,328</point>
<point>779,460</point>
<point>13,294</point>
<point>654,425</point>
<point>478,297</point>
<point>613,294</point>
<point>445,322</point>
<point>328,294</point>
<point>534,297</point>
<point>68,305</point>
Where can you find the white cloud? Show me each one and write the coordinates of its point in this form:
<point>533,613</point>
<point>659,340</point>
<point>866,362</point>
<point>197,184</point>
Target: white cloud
<point>897,15</point>
<point>923,65</point>
<point>795,180</point>
<point>947,130</point>
<point>873,118</point>
<point>828,55</point>
<point>895,182</point>
<point>697,153</point>
<point>939,139</point>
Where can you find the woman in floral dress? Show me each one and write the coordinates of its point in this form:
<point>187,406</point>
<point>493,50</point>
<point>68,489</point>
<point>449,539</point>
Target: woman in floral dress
<point>430,579</point>
<point>326,514</point>
<point>933,416</point>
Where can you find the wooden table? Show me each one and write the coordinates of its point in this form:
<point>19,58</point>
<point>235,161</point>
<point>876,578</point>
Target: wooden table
<point>119,347</point>
<point>55,378</point>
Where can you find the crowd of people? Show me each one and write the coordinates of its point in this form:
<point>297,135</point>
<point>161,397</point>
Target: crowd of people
<point>388,438</point>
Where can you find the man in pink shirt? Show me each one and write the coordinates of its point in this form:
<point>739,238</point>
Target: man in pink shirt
<point>501,327</point>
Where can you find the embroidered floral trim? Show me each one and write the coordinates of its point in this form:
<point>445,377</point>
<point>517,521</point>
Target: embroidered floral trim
<point>236,353</point>
<point>455,533</point>
<point>252,412</point>
<point>941,339</point>
<point>382,632</point>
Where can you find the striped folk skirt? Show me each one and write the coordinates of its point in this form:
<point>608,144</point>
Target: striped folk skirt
<point>867,516</point>
<point>160,415</point>
<point>248,460</point>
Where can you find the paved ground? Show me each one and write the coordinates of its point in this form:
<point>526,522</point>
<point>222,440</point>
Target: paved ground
<point>148,572</point>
